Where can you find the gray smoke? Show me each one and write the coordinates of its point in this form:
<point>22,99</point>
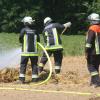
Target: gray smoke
<point>10,58</point>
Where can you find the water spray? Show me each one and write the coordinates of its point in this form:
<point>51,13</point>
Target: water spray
<point>10,58</point>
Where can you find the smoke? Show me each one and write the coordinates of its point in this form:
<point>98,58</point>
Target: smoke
<point>10,58</point>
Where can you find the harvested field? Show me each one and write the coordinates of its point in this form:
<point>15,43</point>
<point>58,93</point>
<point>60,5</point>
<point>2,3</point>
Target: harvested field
<point>74,77</point>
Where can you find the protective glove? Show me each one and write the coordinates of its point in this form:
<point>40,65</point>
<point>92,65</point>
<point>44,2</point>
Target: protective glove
<point>67,24</point>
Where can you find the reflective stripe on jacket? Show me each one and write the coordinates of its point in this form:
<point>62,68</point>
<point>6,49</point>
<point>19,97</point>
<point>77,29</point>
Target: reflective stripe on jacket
<point>93,40</point>
<point>28,38</point>
<point>51,36</point>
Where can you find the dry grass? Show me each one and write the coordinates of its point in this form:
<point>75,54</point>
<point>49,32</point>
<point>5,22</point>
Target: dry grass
<point>8,75</point>
<point>71,72</point>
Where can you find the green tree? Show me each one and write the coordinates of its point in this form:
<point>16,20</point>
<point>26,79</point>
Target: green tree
<point>76,11</point>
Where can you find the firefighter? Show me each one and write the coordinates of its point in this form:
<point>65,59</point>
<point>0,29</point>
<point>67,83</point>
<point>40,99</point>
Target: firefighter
<point>53,43</point>
<point>28,38</point>
<point>92,49</point>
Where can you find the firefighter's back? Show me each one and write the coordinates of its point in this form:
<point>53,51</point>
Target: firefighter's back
<point>31,39</point>
<point>96,40</point>
<point>52,35</point>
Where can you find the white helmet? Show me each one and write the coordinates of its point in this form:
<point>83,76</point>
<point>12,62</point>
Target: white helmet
<point>94,17</point>
<point>28,20</point>
<point>47,19</point>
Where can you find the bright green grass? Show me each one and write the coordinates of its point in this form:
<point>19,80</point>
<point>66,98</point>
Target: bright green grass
<point>73,44</point>
<point>8,41</point>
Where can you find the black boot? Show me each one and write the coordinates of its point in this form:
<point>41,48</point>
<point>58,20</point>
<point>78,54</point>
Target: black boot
<point>40,69</point>
<point>20,81</point>
<point>57,71</point>
<point>95,80</point>
<point>35,79</point>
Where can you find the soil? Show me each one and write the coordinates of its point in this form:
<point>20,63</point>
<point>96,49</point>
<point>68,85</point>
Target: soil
<point>74,77</point>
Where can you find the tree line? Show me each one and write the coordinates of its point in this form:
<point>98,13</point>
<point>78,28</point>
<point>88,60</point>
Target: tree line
<point>76,11</point>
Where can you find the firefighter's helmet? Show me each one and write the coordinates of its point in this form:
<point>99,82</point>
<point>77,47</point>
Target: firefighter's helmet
<point>27,20</point>
<point>94,17</point>
<point>47,20</point>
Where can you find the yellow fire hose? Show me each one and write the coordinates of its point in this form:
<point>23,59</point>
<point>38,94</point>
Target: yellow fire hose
<point>3,87</point>
<point>52,91</point>
<point>50,68</point>
<point>42,82</point>
<point>50,65</point>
